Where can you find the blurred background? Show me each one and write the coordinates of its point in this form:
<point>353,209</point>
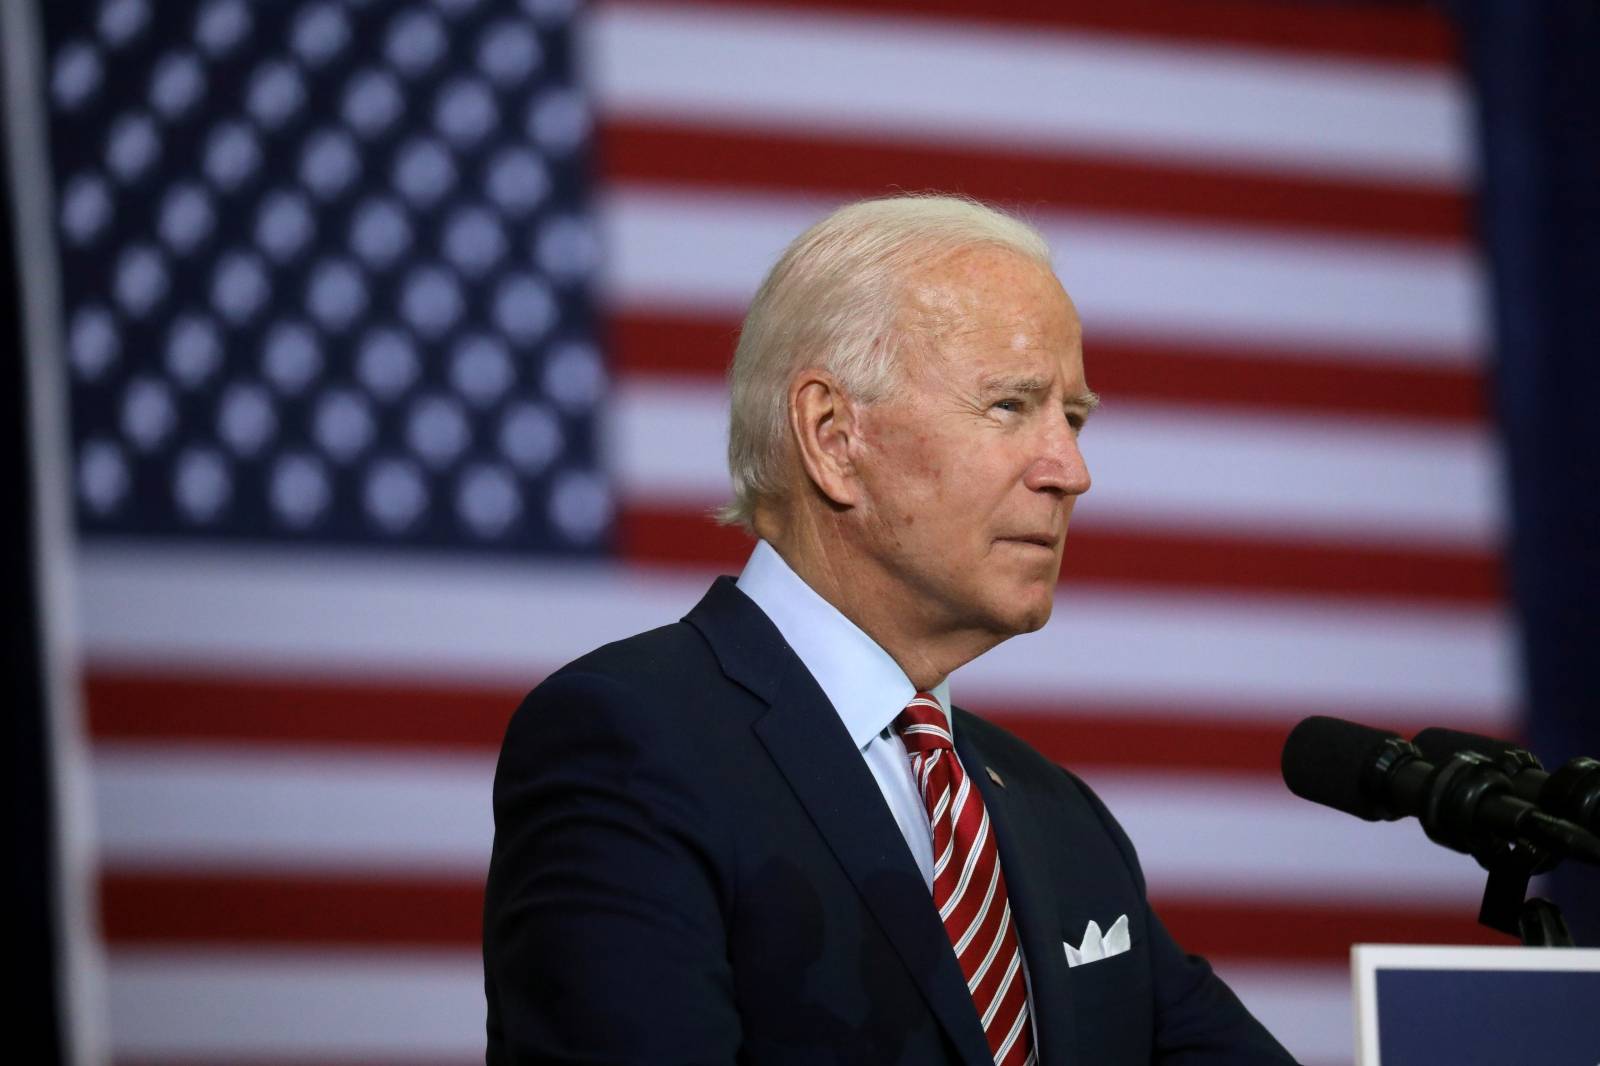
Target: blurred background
<point>371,369</point>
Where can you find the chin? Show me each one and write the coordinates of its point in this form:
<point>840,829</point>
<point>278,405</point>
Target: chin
<point>1035,621</point>
<point>1028,613</point>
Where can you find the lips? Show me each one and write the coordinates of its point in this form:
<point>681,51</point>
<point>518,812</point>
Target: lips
<point>1042,540</point>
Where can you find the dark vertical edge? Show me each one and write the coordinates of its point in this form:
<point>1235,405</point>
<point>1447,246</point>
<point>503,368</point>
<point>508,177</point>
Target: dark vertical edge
<point>1535,71</point>
<point>38,1015</point>
<point>52,943</point>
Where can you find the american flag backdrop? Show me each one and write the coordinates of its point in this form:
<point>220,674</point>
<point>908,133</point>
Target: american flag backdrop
<point>394,334</point>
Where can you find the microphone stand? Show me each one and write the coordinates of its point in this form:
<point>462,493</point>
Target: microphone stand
<point>1537,922</point>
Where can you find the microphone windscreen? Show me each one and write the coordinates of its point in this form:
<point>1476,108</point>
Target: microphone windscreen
<point>1326,759</point>
<point>1438,745</point>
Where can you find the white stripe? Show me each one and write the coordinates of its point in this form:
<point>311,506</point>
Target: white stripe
<point>1253,839</point>
<point>994,945</point>
<point>425,1007</point>
<point>944,857</point>
<point>1362,479</point>
<point>1158,466</point>
<point>708,252</point>
<point>967,868</point>
<point>214,807</point>
<point>1005,984</point>
<point>1015,1031</point>
<point>977,920</point>
<point>210,806</point>
<point>1411,664</point>
<point>351,616</point>
<point>926,79</point>
<point>959,805</point>
<point>930,731</point>
<point>490,622</point>
<point>936,814</point>
<point>400,1007</point>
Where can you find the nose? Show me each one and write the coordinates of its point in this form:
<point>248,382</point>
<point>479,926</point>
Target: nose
<point>1059,467</point>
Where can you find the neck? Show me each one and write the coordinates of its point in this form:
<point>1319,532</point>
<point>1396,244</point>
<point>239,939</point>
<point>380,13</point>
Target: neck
<point>823,558</point>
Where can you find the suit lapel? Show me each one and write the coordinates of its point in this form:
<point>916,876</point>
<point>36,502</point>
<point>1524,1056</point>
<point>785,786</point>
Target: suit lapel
<point>1033,905</point>
<point>813,751</point>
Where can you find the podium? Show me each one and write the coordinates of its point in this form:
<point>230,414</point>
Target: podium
<point>1476,1006</point>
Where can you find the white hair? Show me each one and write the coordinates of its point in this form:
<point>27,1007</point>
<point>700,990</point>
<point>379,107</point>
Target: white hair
<point>832,301</point>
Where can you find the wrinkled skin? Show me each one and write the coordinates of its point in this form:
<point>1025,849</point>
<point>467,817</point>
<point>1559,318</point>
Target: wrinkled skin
<point>947,502</point>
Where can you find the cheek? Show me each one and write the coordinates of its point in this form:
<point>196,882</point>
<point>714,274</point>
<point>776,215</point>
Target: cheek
<point>916,471</point>
<point>947,490</point>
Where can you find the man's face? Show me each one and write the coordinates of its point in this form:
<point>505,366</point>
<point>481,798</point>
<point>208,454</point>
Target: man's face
<point>969,472</point>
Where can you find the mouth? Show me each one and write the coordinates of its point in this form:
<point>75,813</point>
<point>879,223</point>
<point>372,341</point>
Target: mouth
<point>1038,540</point>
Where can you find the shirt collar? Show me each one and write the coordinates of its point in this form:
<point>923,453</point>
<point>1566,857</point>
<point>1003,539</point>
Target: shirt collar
<point>865,685</point>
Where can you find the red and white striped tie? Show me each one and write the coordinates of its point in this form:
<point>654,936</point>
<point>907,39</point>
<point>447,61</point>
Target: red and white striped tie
<point>968,887</point>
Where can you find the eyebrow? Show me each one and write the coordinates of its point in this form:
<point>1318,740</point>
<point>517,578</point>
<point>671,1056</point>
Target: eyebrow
<point>1088,399</point>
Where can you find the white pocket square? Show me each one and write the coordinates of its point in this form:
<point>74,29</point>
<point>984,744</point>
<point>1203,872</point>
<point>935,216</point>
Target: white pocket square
<point>1095,946</point>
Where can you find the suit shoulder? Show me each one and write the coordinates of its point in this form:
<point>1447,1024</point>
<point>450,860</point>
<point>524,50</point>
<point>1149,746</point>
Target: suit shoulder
<point>652,659</point>
<point>665,685</point>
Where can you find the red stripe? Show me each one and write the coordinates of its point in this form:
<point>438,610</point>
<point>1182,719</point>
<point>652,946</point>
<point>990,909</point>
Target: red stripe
<point>1204,740</point>
<point>1145,559</point>
<point>645,343</point>
<point>237,708</point>
<point>179,707</point>
<point>1318,383</point>
<point>1261,565</point>
<point>847,166</point>
<point>948,888</point>
<point>141,908</point>
<point>1007,1006</point>
<point>1312,932</point>
<point>194,908</point>
<point>1405,32</point>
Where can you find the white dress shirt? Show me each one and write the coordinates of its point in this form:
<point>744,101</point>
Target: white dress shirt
<point>866,687</point>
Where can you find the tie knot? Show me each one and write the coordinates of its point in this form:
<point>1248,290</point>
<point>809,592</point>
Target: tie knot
<point>922,725</point>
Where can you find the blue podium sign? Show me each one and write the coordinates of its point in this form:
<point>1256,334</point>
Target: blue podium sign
<point>1476,1006</point>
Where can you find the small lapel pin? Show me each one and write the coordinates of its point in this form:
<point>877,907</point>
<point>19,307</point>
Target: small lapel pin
<point>995,777</point>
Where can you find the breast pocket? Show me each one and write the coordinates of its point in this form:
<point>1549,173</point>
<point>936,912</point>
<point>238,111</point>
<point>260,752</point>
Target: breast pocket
<point>1112,1006</point>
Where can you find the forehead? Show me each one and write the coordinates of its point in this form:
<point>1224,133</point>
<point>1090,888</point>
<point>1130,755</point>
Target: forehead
<point>990,302</point>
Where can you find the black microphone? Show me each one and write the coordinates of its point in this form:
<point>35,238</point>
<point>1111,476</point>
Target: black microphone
<point>1572,792</point>
<point>1464,803</point>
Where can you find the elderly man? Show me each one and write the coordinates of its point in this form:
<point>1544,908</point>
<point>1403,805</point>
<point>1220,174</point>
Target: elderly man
<point>764,834</point>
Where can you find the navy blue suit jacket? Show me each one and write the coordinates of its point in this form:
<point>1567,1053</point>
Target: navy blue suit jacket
<point>693,864</point>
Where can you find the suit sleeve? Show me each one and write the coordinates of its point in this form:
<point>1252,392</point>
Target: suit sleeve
<point>603,918</point>
<point>1198,1019</point>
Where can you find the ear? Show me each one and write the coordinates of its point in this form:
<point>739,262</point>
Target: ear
<point>822,420</point>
